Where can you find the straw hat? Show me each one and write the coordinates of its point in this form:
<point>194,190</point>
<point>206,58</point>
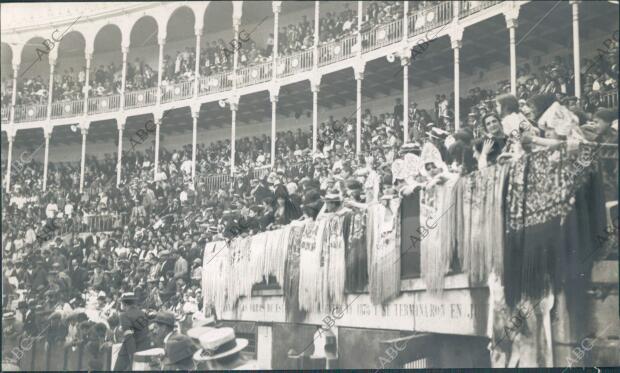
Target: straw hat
<point>219,343</point>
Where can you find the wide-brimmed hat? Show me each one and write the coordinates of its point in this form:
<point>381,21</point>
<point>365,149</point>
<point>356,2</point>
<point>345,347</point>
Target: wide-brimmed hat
<point>149,356</point>
<point>354,184</point>
<point>164,317</point>
<point>438,133</point>
<point>333,196</point>
<point>128,297</point>
<point>410,148</point>
<point>179,347</point>
<point>198,331</point>
<point>7,316</point>
<point>219,343</point>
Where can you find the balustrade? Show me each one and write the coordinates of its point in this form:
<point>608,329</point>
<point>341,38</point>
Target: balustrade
<point>145,97</point>
<point>104,104</point>
<point>338,50</point>
<point>30,113</point>
<point>6,112</point>
<point>295,63</point>
<point>67,109</point>
<point>609,99</point>
<point>382,35</point>
<point>260,73</point>
<point>214,83</point>
<point>179,91</point>
<point>430,18</point>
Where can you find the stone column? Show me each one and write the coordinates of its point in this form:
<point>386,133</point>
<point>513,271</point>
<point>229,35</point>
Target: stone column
<point>234,104</point>
<point>274,101</point>
<point>120,124</point>
<point>359,76</point>
<point>456,37</point>
<point>158,122</point>
<point>89,58</point>
<point>405,61</point>
<point>315,87</point>
<point>9,165</point>
<point>14,94</point>
<point>124,75</point>
<point>50,91</point>
<point>162,43</point>
<point>47,133</point>
<point>512,16</point>
<point>84,131</point>
<point>576,48</point>
<point>195,114</point>
<point>198,32</point>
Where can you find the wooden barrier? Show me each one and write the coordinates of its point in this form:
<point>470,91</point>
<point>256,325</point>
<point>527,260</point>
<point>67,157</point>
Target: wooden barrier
<point>58,356</point>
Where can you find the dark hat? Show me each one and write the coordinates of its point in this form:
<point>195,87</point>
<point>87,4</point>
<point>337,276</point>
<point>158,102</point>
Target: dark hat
<point>179,349</point>
<point>333,196</point>
<point>164,317</point>
<point>410,148</point>
<point>7,316</point>
<point>541,102</point>
<point>606,115</point>
<point>129,297</point>
<point>353,184</point>
<point>438,133</point>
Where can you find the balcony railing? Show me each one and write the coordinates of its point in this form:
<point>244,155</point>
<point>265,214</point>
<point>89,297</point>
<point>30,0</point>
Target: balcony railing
<point>104,104</point>
<point>30,113</point>
<point>379,36</point>
<point>254,74</point>
<point>179,91</point>
<point>6,113</point>
<point>215,83</point>
<point>338,50</point>
<point>382,35</point>
<point>67,109</point>
<point>295,63</point>
<point>145,97</point>
<point>609,99</point>
<point>470,7</point>
<point>430,18</point>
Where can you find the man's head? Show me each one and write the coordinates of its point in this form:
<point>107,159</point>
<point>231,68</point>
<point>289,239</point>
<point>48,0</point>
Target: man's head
<point>163,324</point>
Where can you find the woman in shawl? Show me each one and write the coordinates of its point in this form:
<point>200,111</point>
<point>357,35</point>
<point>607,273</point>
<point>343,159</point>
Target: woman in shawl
<point>285,210</point>
<point>489,147</point>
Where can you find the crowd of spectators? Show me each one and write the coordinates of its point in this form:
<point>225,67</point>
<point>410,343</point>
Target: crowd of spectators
<point>155,250</point>
<point>58,270</point>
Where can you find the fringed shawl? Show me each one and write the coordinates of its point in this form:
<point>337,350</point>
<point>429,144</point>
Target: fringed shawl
<point>275,253</point>
<point>290,285</point>
<point>216,270</point>
<point>258,256</point>
<point>437,233</point>
<point>479,230</point>
<point>336,265</point>
<point>384,281</point>
<point>540,196</point>
<point>309,264</point>
<point>356,253</point>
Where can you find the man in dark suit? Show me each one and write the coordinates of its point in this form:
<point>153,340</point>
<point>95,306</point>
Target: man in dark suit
<point>260,191</point>
<point>134,323</point>
<point>78,275</point>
